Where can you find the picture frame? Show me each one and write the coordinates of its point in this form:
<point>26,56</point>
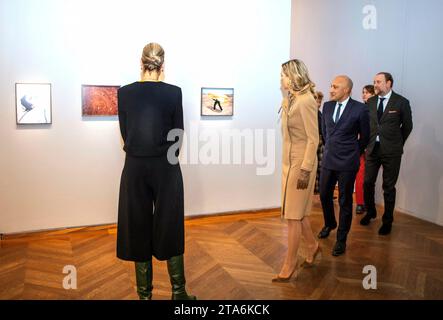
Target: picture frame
<point>33,103</point>
<point>217,101</point>
<point>99,100</point>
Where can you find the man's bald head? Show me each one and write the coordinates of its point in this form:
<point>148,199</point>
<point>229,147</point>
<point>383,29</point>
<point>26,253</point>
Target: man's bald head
<point>347,80</point>
<point>341,88</point>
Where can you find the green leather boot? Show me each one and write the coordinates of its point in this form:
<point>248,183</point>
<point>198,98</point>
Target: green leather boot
<point>177,276</point>
<point>143,276</point>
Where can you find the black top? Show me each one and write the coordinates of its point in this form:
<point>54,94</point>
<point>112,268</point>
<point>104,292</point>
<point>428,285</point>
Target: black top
<point>147,111</point>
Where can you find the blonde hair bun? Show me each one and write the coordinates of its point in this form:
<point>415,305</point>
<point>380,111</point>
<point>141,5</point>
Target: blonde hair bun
<point>153,57</point>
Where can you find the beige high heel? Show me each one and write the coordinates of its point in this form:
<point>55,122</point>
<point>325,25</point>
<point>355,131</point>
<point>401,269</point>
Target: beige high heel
<point>307,264</point>
<point>277,278</point>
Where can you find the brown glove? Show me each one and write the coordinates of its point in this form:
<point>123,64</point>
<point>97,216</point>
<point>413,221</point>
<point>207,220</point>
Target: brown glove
<point>303,179</point>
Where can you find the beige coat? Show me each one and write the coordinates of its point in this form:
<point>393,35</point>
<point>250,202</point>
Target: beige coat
<point>300,142</point>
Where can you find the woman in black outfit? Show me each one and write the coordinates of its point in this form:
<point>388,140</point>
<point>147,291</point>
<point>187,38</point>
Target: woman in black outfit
<point>151,209</point>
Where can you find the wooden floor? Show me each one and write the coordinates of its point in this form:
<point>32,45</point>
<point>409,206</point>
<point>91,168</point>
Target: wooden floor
<point>231,257</point>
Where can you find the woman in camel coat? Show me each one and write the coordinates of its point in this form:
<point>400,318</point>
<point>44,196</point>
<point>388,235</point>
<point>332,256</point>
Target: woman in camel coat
<point>300,142</point>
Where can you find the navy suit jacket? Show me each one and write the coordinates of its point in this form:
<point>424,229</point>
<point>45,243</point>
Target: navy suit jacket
<point>346,140</point>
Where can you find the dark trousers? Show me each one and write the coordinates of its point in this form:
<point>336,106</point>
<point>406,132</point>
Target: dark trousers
<point>150,210</point>
<point>328,180</point>
<point>391,169</point>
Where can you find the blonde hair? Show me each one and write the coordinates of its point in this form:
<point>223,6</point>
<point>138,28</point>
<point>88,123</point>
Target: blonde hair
<point>153,57</point>
<point>298,73</point>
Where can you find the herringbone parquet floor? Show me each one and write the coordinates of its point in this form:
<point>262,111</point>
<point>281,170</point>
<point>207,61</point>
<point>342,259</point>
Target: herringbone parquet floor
<point>231,257</point>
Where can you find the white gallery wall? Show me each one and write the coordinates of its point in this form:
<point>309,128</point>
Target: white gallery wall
<point>68,173</point>
<point>333,38</point>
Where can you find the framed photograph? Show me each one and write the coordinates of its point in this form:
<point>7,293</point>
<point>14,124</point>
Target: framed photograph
<point>217,101</point>
<point>99,100</point>
<point>33,103</point>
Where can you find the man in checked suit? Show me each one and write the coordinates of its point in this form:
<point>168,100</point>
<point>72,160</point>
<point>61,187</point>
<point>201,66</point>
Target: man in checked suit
<point>345,127</point>
<point>391,124</point>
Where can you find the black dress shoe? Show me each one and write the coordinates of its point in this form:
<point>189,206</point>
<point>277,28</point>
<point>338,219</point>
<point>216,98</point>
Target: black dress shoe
<point>360,209</point>
<point>367,219</point>
<point>385,229</point>
<point>339,249</point>
<point>324,233</point>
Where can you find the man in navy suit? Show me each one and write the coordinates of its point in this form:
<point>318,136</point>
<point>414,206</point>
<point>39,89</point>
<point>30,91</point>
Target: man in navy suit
<point>345,127</point>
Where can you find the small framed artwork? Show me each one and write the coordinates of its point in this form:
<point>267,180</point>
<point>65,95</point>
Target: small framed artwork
<point>217,101</point>
<point>98,100</point>
<point>33,103</point>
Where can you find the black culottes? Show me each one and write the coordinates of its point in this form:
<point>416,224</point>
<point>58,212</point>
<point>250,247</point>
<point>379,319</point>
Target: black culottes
<point>150,210</point>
